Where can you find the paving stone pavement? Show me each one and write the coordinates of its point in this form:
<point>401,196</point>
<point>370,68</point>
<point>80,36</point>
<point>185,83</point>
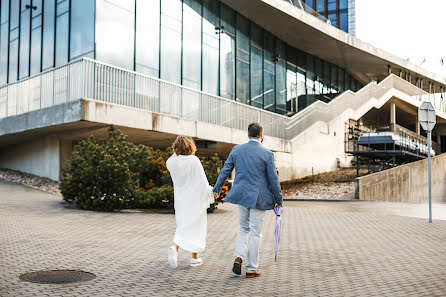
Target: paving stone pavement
<point>323,252</point>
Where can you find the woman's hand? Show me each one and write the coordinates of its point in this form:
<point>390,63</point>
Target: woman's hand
<point>216,195</point>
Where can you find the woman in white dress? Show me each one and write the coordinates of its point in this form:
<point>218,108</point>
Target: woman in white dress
<point>193,196</point>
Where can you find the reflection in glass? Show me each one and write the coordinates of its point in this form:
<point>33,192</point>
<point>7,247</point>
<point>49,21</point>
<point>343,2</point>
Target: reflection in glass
<point>256,66</point>
<point>36,37</point>
<point>147,37</point>
<point>62,33</point>
<point>13,40</point>
<point>25,15</point>
<point>268,72</point>
<point>281,77</point>
<point>227,52</point>
<point>242,66</point>
<point>192,44</point>
<point>291,86</point>
<point>347,81</point>
<point>48,34</point>
<point>82,28</point>
<point>210,47</point>
<point>341,80</point>
<point>4,23</point>
<point>115,26</point>
<point>334,80</point>
<point>343,21</point>
<point>171,40</point>
<point>310,80</point>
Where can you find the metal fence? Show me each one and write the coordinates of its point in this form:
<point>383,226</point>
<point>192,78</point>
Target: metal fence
<point>91,79</point>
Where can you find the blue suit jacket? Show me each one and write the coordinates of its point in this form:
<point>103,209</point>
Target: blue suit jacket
<point>256,183</point>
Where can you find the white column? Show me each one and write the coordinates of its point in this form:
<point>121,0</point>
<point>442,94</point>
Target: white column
<point>392,116</point>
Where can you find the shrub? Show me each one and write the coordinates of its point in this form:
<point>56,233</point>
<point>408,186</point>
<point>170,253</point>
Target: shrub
<point>113,173</point>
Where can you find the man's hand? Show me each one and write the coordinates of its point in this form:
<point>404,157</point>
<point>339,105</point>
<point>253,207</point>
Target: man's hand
<point>279,206</point>
<point>216,195</point>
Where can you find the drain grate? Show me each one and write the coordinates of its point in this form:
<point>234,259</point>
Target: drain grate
<point>57,276</point>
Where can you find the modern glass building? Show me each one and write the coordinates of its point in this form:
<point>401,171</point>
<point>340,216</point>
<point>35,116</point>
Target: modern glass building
<point>201,44</point>
<point>337,11</point>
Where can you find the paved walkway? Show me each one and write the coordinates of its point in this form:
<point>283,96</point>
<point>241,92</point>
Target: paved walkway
<point>325,251</point>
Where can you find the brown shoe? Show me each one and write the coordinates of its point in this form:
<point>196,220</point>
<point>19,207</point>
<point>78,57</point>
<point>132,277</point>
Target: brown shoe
<point>256,273</point>
<point>237,268</point>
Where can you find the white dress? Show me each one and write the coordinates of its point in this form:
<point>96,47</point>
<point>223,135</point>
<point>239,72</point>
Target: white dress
<point>193,195</point>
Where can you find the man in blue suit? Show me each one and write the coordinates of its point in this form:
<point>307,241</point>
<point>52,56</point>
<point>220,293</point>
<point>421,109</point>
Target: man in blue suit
<point>256,189</point>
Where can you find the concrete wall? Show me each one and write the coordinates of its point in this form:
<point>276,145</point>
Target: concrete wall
<point>40,157</point>
<point>407,183</point>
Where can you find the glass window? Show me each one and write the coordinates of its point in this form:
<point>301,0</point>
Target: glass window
<point>256,66</point>
<point>310,80</point>
<point>343,4</point>
<point>227,52</point>
<point>49,11</point>
<point>36,36</point>
<point>192,44</point>
<point>301,90</point>
<point>309,3</point>
<point>347,81</point>
<point>147,37</point>
<point>332,18</point>
<point>353,84</point>
<point>326,80</point>
<point>320,6</point>
<point>343,21</point>
<point>281,77</point>
<point>171,12</point>
<point>334,80</point>
<point>4,24</point>
<point>210,47</point>
<point>115,25</point>
<point>25,16</point>
<point>82,29</point>
<point>331,5</point>
<point>242,41</point>
<point>268,72</point>
<point>341,80</point>
<point>291,88</point>
<point>14,41</point>
<point>318,84</point>
<point>62,19</point>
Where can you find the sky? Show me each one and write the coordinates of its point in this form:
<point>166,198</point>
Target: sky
<point>410,29</point>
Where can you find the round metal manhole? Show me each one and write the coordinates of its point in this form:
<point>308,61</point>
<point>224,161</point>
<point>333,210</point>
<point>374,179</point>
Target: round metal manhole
<point>57,276</point>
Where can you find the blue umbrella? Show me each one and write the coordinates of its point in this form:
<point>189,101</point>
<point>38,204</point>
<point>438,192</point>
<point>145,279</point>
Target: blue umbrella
<point>278,211</point>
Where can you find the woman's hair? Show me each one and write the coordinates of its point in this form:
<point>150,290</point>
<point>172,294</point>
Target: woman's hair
<point>184,145</point>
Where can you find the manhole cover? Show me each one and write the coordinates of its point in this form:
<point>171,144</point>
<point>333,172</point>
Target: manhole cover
<point>57,276</point>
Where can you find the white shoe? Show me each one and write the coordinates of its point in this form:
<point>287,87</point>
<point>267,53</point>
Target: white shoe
<point>195,262</point>
<point>172,256</point>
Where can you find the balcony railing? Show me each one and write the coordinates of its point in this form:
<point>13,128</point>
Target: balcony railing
<point>91,79</point>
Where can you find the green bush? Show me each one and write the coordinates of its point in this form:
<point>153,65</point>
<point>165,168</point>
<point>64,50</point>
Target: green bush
<point>113,173</point>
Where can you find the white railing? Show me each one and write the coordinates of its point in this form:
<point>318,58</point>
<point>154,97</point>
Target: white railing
<point>91,79</point>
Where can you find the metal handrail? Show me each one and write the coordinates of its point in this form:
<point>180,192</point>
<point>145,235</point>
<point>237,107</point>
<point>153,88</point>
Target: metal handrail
<point>87,78</point>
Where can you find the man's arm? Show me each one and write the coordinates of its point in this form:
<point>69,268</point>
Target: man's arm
<point>273,179</point>
<point>224,173</point>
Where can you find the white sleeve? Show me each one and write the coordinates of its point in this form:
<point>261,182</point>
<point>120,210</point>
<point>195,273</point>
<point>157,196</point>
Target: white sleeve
<point>204,183</point>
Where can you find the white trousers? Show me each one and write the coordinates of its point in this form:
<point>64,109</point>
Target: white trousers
<point>249,235</point>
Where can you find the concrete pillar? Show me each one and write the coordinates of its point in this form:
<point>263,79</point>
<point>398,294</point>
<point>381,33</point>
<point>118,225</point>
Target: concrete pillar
<point>389,69</point>
<point>417,126</point>
<point>410,77</point>
<point>392,116</point>
<point>401,74</point>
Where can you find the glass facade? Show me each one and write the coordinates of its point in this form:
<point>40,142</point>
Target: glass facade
<point>334,10</point>
<point>201,44</point>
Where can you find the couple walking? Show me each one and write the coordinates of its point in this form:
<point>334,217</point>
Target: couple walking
<point>256,189</point>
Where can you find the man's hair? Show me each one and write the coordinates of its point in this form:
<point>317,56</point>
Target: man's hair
<point>184,145</point>
<point>254,130</point>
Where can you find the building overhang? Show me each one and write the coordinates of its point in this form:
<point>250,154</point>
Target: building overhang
<point>307,33</point>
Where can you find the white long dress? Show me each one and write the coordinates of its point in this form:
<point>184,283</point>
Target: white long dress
<point>193,195</point>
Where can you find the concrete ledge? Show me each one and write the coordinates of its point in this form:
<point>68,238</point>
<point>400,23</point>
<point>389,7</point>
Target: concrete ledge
<point>45,117</point>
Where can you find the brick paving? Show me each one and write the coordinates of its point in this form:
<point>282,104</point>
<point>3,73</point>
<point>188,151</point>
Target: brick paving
<point>324,252</point>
